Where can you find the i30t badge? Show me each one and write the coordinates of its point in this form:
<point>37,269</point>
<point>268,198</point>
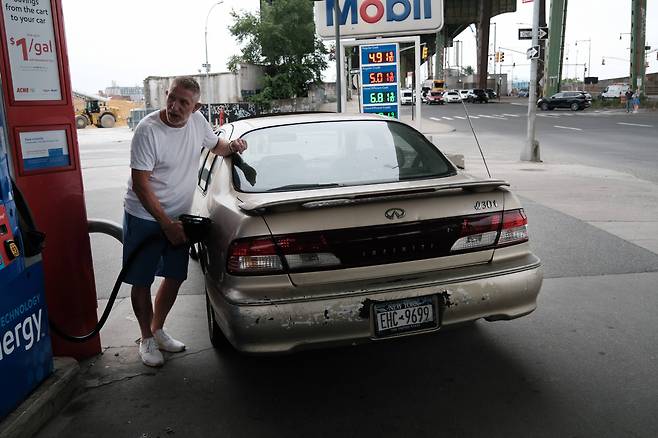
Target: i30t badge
<point>394,213</point>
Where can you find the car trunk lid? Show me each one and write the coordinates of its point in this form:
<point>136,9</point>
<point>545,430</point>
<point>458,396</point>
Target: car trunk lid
<point>405,228</point>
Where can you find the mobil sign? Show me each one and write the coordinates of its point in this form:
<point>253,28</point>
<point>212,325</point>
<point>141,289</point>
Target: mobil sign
<point>369,18</point>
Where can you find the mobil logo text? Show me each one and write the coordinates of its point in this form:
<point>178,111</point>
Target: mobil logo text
<point>379,17</point>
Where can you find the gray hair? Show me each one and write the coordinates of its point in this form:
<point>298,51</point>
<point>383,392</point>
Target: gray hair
<point>187,82</point>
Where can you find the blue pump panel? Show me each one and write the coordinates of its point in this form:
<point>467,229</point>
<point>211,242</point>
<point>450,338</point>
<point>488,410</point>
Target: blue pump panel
<point>26,356</point>
<point>25,349</point>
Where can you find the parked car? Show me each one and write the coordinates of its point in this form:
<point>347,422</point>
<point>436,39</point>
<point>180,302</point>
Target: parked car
<point>341,229</point>
<point>575,100</point>
<point>451,97</point>
<point>491,94</point>
<point>524,92</point>
<point>434,97</point>
<point>464,94</point>
<point>478,95</point>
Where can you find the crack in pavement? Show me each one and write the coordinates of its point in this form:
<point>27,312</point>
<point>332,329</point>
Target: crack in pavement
<point>89,386</point>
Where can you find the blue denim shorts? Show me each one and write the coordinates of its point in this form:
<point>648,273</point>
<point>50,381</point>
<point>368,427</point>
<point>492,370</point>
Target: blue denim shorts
<point>158,257</point>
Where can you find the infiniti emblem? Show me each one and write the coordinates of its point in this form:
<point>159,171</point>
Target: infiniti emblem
<point>394,213</point>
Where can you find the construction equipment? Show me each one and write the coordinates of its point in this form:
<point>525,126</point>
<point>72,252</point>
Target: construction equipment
<point>96,112</point>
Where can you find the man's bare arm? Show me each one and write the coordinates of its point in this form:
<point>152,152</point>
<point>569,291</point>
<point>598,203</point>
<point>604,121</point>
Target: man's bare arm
<point>142,188</point>
<point>225,147</point>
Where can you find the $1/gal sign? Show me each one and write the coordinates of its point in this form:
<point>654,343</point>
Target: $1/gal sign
<point>30,41</point>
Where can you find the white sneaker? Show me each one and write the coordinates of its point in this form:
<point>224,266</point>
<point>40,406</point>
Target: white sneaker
<point>148,351</point>
<point>167,343</point>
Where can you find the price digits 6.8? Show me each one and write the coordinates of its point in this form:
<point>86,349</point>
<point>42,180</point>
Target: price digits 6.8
<point>381,97</point>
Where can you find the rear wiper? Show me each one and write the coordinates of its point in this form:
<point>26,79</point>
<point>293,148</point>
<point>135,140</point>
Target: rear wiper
<point>302,187</point>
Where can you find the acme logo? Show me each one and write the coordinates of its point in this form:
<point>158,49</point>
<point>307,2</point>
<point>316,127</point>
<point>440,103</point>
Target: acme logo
<point>22,90</point>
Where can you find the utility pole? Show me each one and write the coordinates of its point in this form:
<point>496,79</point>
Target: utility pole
<point>531,150</point>
<point>638,39</point>
<point>339,103</point>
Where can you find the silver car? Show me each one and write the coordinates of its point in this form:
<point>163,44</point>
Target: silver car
<point>341,229</point>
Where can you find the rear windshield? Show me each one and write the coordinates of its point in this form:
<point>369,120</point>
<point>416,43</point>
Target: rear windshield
<point>334,154</point>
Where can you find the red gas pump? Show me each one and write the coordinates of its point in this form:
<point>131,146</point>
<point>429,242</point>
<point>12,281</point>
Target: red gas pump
<point>45,163</point>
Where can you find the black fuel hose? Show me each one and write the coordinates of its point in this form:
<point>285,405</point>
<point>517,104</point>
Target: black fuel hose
<point>196,228</point>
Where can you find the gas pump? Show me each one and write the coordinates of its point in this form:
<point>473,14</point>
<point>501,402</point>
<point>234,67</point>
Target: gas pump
<point>25,348</point>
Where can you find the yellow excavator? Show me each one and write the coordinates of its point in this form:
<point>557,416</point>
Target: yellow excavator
<point>96,112</point>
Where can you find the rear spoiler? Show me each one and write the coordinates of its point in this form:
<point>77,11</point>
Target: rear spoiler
<point>333,200</point>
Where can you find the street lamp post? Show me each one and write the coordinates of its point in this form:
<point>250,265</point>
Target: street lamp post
<point>589,59</point>
<point>207,65</point>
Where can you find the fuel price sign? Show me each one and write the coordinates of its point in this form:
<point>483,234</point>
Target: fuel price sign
<point>379,79</point>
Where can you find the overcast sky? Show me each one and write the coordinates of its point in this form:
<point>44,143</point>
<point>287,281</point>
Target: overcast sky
<point>126,41</point>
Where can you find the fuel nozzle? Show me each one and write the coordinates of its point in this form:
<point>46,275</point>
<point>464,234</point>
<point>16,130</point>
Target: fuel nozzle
<point>196,227</point>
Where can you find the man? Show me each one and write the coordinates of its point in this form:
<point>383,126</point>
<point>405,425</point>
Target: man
<point>164,156</point>
<point>629,100</point>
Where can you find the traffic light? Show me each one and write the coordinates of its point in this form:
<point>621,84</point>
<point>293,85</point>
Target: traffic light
<point>497,57</point>
<point>502,56</point>
<point>425,53</point>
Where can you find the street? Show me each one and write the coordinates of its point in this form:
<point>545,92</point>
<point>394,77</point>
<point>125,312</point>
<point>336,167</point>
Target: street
<point>582,365</point>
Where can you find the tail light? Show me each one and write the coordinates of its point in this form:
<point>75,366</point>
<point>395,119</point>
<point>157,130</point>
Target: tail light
<point>515,228</point>
<point>477,232</point>
<point>280,254</point>
<point>505,228</point>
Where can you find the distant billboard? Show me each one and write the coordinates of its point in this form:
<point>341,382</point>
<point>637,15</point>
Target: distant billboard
<point>371,18</point>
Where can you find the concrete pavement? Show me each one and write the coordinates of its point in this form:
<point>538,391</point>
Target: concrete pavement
<point>615,202</point>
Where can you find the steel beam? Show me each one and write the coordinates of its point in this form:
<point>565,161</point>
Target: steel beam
<point>555,47</point>
<point>483,42</point>
<point>638,39</point>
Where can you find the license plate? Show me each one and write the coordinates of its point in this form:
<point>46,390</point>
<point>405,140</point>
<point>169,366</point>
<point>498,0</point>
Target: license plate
<point>407,315</point>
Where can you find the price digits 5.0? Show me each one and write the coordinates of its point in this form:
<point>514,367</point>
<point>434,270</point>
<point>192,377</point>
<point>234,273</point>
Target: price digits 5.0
<point>382,78</point>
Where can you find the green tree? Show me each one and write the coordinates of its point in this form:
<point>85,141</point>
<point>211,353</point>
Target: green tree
<point>468,70</point>
<point>282,39</point>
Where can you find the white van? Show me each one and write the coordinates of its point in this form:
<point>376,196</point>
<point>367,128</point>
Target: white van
<point>407,97</point>
<point>613,91</point>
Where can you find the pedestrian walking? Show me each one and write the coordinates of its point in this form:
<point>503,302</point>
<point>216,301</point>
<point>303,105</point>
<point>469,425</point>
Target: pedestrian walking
<point>164,155</point>
<point>636,101</point>
<point>629,100</point>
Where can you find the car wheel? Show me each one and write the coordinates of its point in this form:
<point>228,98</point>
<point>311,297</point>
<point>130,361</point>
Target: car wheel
<point>217,338</point>
<point>80,122</point>
<point>575,107</point>
<point>544,107</point>
<point>107,121</point>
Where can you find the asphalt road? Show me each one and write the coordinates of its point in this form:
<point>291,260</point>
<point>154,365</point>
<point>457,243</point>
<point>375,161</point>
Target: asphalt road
<point>611,139</point>
<point>582,365</point>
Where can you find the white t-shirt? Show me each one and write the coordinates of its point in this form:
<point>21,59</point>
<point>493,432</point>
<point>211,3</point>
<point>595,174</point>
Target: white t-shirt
<point>172,155</point>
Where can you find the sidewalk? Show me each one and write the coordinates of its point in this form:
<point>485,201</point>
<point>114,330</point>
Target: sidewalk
<point>615,202</point>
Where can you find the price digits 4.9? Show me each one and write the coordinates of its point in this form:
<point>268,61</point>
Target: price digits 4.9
<point>380,57</point>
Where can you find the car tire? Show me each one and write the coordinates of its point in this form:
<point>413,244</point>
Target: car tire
<point>217,338</point>
<point>574,106</point>
<point>545,107</point>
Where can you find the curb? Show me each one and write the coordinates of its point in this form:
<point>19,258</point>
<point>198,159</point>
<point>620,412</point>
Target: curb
<point>45,402</point>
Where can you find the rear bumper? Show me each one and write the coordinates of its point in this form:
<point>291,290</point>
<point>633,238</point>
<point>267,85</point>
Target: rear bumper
<point>288,326</point>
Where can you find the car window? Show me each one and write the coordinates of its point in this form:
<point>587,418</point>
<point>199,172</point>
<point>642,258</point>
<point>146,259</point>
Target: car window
<point>344,153</point>
<point>208,160</point>
<point>557,96</point>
